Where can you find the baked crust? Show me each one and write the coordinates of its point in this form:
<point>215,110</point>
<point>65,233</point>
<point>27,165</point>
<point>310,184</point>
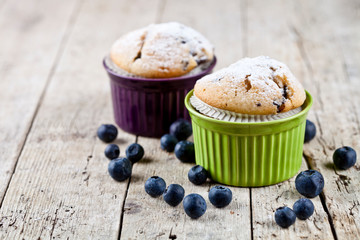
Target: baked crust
<point>161,51</point>
<point>258,85</point>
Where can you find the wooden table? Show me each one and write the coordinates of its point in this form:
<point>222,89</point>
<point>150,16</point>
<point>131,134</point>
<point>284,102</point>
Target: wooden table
<point>55,93</point>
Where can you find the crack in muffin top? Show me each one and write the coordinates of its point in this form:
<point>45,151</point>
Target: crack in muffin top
<point>259,85</point>
<point>161,51</point>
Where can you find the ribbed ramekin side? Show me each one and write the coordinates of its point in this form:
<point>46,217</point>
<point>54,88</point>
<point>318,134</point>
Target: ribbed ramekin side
<point>249,161</point>
<point>148,113</point>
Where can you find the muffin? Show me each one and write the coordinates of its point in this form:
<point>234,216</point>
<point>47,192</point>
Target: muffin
<point>241,140</point>
<point>250,87</point>
<point>165,50</point>
<point>151,71</point>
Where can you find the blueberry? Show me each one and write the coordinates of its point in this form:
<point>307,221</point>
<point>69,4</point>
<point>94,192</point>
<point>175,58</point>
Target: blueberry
<point>310,131</point>
<point>181,129</point>
<point>303,208</point>
<point>197,175</point>
<point>309,183</point>
<point>174,194</point>
<point>194,205</point>
<point>107,132</point>
<point>134,152</point>
<point>285,217</point>
<point>184,151</point>
<point>119,169</point>
<point>155,186</point>
<point>344,157</point>
<point>220,196</point>
<point>112,151</point>
<point>168,142</point>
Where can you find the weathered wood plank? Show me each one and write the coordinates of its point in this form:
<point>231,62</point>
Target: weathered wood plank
<point>220,23</point>
<point>266,200</point>
<point>2,3</point>
<point>149,218</point>
<point>61,188</point>
<point>278,42</point>
<point>331,44</point>
<point>27,58</point>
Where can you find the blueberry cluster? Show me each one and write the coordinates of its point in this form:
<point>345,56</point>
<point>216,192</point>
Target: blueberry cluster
<point>194,204</point>
<point>302,209</point>
<point>176,141</point>
<point>119,168</point>
<point>155,186</point>
<point>310,184</point>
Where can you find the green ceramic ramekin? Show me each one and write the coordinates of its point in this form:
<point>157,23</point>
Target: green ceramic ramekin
<point>249,154</point>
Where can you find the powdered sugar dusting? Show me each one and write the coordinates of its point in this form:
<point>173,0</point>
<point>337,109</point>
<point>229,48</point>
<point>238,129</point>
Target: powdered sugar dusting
<point>116,69</point>
<point>174,31</point>
<point>159,49</point>
<point>260,71</point>
<point>258,85</point>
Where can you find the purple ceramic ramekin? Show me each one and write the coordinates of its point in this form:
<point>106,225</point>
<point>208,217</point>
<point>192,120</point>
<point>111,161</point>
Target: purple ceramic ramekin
<point>147,107</point>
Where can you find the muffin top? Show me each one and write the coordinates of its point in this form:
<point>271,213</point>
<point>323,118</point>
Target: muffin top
<point>161,51</point>
<point>255,86</point>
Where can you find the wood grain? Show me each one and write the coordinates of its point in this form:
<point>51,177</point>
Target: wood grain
<point>220,26</point>
<point>266,200</point>
<point>151,218</point>
<point>54,94</point>
<point>220,23</point>
<point>61,188</point>
<point>27,58</point>
<point>332,65</point>
<point>280,44</point>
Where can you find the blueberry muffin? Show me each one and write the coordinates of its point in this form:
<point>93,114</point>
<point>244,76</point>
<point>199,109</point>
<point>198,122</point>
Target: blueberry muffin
<point>165,50</point>
<point>253,86</point>
<point>248,122</point>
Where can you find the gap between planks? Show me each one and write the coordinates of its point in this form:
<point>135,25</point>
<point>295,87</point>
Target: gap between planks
<point>53,68</point>
<point>125,197</point>
<point>245,50</point>
<point>322,199</point>
<point>158,19</point>
<point>251,215</point>
<point>306,59</point>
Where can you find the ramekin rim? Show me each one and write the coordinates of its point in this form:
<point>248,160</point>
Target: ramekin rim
<point>192,110</point>
<point>181,78</point>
